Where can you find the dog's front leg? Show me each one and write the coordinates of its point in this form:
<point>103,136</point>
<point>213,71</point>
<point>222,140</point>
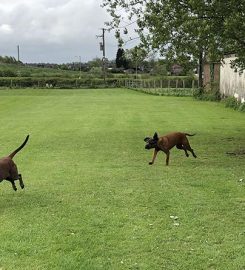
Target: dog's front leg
<point>167,158</point>
<point>154,157</point>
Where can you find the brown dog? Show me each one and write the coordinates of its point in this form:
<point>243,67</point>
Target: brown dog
<point>165,143</point>
<point>8,169</point>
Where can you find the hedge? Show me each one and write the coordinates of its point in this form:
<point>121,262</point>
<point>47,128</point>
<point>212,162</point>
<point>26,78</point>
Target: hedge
<point>38,82</point>
<point>61,82</point>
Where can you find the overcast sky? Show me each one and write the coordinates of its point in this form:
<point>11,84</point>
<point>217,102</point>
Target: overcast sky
<point>54,31</point>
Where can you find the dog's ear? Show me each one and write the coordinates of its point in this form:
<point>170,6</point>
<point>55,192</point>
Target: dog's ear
<point>147,139</point>
<point>155,137</point>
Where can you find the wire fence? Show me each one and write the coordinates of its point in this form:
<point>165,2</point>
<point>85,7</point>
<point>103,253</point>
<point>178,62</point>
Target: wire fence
<point>166,87</point>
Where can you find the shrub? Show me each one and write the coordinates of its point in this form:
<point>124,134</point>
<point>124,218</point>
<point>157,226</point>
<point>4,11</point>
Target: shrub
<point>231,102</point>
<point>178,92</point>
<point>198,93</point>
<point>8,73</point>
<point>241,107</point>
<point>212,95</point>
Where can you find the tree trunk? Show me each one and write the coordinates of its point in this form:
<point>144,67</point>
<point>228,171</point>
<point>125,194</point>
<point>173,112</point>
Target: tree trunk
<point>200,69</point>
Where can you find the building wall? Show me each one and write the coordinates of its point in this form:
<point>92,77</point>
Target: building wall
<point>211,74</point>
<point>206,75</point>
<point>217,72</point>
<point>232,83</point>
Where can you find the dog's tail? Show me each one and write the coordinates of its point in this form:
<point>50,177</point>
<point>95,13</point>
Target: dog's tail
<point>187,134</point>
<point>19,148</point>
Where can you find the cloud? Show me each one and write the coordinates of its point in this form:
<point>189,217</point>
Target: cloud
<point>5,29</point>
<point>53,30</point>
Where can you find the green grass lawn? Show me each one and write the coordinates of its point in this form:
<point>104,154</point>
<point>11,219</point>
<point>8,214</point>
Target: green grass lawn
<point>92,201</point>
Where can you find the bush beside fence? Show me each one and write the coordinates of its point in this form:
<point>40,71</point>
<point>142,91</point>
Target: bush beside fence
<point>179,92</point>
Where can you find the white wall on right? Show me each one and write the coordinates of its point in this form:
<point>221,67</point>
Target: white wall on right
<point>232,83</point>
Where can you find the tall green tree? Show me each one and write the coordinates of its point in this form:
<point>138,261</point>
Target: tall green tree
<point>186,29</point>
<point>121,61</point>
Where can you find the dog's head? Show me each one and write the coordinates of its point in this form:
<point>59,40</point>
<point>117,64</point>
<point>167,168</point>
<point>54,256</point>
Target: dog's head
<point>151,142</point>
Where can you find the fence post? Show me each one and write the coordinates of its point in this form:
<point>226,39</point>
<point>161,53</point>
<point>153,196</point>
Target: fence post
<point>176,83</point>
<point>193,83</point>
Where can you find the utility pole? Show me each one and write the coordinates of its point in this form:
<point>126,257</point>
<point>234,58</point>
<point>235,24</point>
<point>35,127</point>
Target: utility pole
<point>80,67</point>
<point>18,53</point>
<point>102,48</point>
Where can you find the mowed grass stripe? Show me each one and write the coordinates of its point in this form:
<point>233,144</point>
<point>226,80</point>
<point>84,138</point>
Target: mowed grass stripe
<point>93,202</point>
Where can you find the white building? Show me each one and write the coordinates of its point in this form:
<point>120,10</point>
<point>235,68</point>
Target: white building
<point>231,83</point>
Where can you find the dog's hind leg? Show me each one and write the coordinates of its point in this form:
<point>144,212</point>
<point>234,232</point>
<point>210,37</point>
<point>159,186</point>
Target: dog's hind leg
<point>188,147</point>
<point>182,147</point>
<point>13,183</point>
<point>186,153</point>
<point>21,181</point>
<point>194,155</point>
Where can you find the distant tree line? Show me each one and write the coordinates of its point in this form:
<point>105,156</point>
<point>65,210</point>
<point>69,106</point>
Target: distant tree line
<point>135,60</point>
<point>138,59</point>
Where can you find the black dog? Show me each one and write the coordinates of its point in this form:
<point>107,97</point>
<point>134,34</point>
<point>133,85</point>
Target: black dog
<point>165,143</point>
<point>8,169</point>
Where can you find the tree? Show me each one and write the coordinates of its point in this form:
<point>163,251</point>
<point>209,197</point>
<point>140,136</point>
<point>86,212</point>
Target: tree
<point>185,29</point>
<point>121,61</point>
<point>159,68</point>
<point>96,62</point>
<point>136,57</point>
<point>8,60</point>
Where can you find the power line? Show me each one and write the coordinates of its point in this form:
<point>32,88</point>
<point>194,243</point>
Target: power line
<point>126,25</point>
